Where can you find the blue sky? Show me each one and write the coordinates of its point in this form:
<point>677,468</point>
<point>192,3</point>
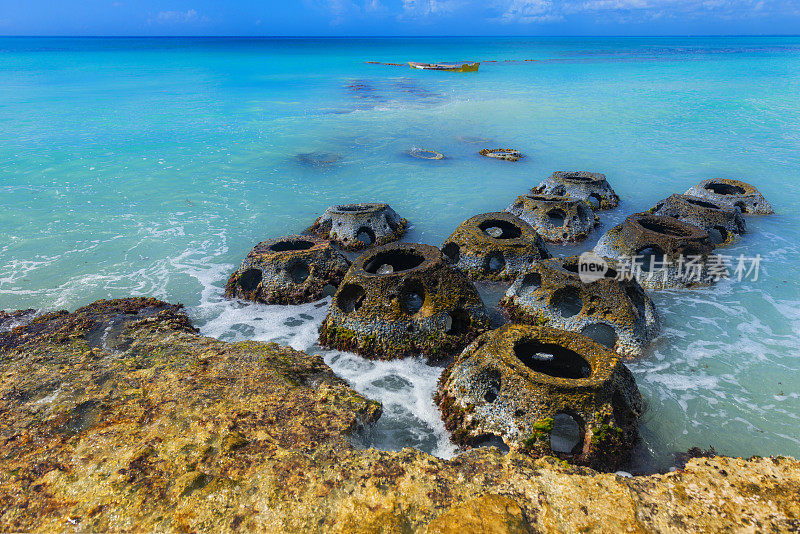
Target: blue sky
<point>399,17</point>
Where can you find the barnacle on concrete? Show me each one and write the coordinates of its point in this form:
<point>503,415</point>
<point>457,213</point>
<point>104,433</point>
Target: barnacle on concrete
<point>545,392</point>
<point>723,223</point>
<point>357,226</point>
<point>288,270</point>
<point>615,312</point>
<point>495,246</point>
<point>558,219</point>
<point>734,193</point>
<point>662,252</point>
<point>589,186</point>
<point>404,299</point>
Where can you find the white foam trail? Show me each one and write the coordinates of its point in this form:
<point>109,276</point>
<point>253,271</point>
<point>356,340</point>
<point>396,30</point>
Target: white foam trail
<point>404,387</point>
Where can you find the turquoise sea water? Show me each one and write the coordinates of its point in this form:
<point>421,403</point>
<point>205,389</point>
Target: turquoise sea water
<point>152,166</point>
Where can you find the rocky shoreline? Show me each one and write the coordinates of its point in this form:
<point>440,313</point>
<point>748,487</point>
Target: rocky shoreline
<point>119,416</point>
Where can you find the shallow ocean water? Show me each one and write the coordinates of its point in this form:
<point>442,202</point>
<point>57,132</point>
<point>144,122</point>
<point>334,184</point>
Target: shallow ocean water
<point>152,166</point>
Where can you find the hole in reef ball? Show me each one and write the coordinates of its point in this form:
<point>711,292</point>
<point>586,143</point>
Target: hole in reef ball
<point>285,246</point>
<point>718,234</point>
<point>413,297</point>
<point>567,301</point>
<point>725,189</point>
<point>636,295</point>
<point>602,333</point>
<point>595,200</point>
<point>530,283</point>
<point>495,262</point>
<point>556,217</point>
<point>458,323</point>
<point>399,260</point>
<point>552,359</point>
<point>350,298</point>
<point>250,279</point>
<point>498,229</point>
<point>299,272</point>
<point>566,434</point>
<point>452,251</point>
<point>366,236</point>
<point>650,258</point>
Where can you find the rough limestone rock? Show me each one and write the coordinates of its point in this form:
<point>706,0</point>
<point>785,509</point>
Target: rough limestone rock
<point>733,193</point>
<point>179,433</point>
<point>358,226</point>
<point>559,219</point>
<point>288,270</point>
<point>662,252</point>
<point>404,299</point>
<point>723,223</point>
<point>505,154</point>
<point>589,186</point>
<point>543,391</point>
<point>616,313</point>
<point>494,246</point>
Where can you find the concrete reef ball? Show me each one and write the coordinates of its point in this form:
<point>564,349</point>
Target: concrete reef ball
<point>543,391</point>
<point>558,219</point>
<point>734,193</point>
<point>506,154</point>
<point>723,223</point>
<point>589,186</point>
<point>404,299</point>
<point>618,314</point>
<point>357,226</point>
<point>495,246</point>
<point>669,253</point>
<point>289,270</point>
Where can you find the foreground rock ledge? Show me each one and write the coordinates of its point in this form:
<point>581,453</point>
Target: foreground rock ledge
<point>120,417</point>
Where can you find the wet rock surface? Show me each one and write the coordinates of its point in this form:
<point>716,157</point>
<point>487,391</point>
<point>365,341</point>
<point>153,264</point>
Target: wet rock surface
<point>178,432</point>
<point>505,154</point>
<point>662,252</point>
<point>544,391</point>
<point>616,313</point>
<point>404,299</point>
<point>494,246</point>
<point>723,223</point>
<point>358,226</point>
<point>288,270</point>
<point>733,193</point>
<point>589,186</point>
<point>558,219</point>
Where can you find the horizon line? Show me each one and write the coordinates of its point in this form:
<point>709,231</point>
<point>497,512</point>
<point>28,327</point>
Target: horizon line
<point>234,36</point>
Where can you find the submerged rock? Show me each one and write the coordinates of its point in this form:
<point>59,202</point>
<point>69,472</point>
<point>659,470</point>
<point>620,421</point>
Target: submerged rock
<point>288,270</point>
<point>544,392</point>
<point>616,313</point>
<point>404,299</point>
<point>506,154</point>
<point>495,246</point>
<point>357,226</point>
<point>177,432</point>
<point>589,186</point>
<point>723,223</point>
<point>733,193</point>
<point>558,219</point>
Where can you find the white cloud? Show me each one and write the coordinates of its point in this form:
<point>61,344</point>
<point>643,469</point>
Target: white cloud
<point>529,11</point>
<point>424,8</point>
<point>179,17</point>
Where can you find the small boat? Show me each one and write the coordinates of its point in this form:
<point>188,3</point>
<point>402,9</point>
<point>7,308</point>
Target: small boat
<point>451,67</point>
